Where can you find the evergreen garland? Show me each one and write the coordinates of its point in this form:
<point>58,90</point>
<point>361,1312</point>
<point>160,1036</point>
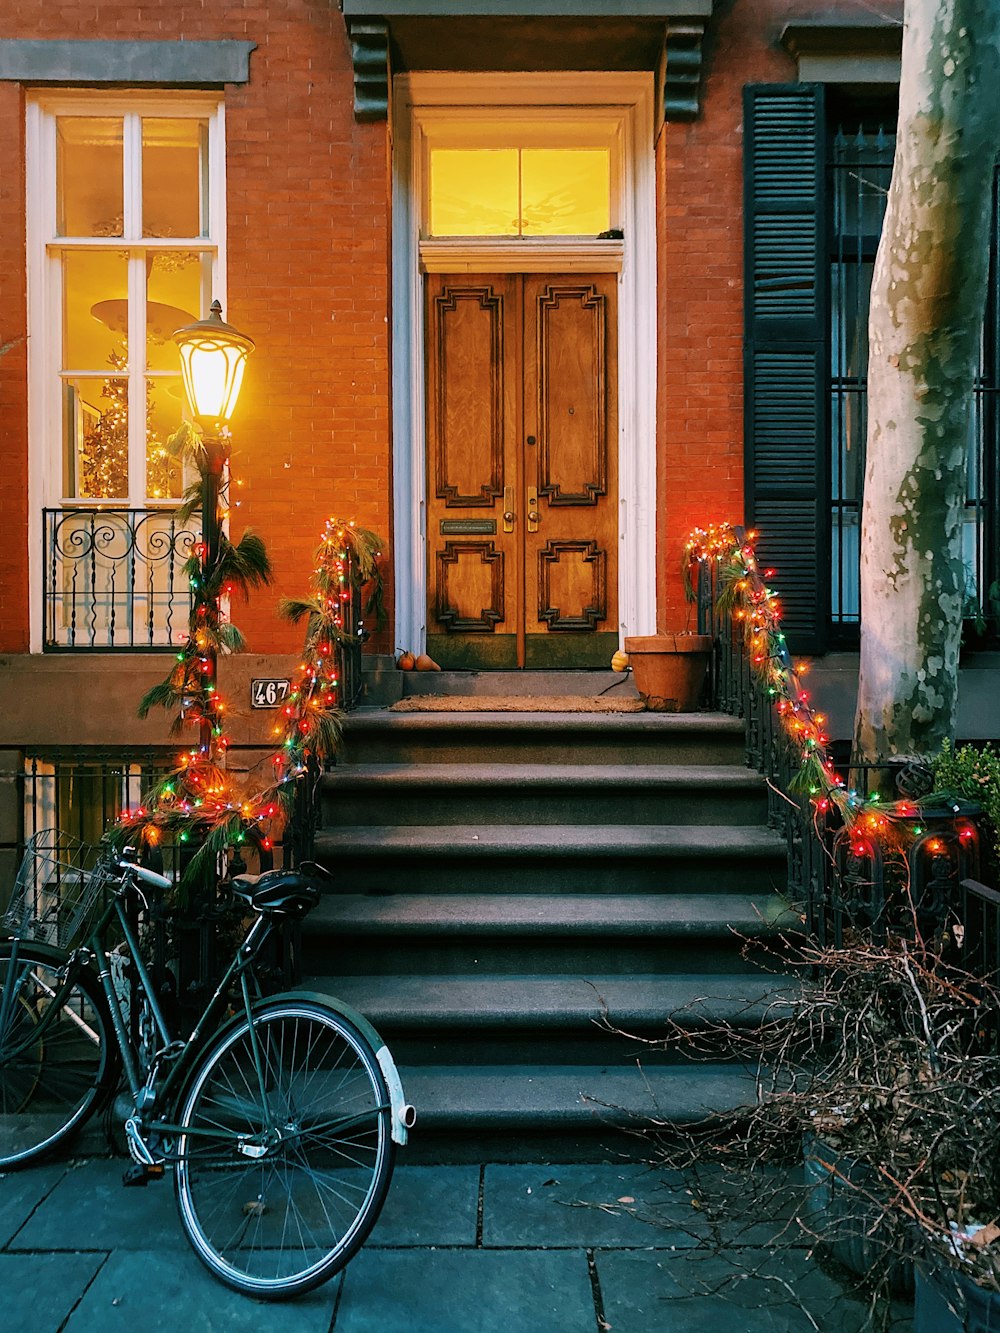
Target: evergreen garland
<point>200,802</point>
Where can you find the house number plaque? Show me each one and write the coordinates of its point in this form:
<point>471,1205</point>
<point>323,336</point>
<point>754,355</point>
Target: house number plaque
<point>268,693</point>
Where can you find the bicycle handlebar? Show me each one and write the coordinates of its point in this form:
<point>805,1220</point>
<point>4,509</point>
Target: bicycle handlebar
<point>142,873</point>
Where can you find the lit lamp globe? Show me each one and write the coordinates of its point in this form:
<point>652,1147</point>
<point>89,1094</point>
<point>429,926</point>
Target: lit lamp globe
<point>213,359</point>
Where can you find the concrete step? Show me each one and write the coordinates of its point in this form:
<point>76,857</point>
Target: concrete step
<point>554,858</point>
<point>523,1100</point>
<point>547,1020</point>
<point>561,934</point>
<point>529,793</point>
<point>449,1002</point>
<point>375,736</point>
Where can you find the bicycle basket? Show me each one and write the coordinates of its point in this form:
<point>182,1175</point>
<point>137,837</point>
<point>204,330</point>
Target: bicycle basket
<point>59,889</point>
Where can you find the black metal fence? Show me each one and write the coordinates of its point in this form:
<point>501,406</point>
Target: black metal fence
<point>190,939</point>
<point>355,635</point>
<point>113,579</point>
<point>844,879</point>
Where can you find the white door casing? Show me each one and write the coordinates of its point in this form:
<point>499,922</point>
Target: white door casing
<point>619,107</point>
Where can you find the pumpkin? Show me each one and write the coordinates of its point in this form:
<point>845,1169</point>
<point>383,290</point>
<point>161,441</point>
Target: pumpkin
<point>406,662</point>
<point>620,661</point>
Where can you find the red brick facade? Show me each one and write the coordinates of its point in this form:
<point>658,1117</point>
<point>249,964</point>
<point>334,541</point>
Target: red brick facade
<point>309,278</point>
<point>700,343</point>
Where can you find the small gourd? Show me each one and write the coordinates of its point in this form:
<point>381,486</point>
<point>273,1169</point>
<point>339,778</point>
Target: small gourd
<point>620,661</point>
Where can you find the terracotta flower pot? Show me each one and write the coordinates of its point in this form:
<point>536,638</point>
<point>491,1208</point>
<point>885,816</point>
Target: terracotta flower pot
<point>669,669</point>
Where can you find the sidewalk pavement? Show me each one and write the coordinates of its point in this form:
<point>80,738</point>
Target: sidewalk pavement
<point>458,1249</point>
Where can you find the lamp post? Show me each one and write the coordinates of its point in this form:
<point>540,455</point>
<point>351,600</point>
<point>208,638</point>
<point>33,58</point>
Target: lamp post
<point>213,359</point>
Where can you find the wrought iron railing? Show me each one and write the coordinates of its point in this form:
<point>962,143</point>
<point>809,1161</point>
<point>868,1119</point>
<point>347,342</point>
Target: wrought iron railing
<point>355,636</point>
<point>113,579</point>
<point>82,795</point>
<point>842,879</point>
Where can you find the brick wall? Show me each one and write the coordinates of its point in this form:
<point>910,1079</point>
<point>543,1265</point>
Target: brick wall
<point>700,237</point>
<point>308,257</point>
<point>307,191</point>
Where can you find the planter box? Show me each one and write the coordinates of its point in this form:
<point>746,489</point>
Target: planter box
<point>669,669</point>
<point>949,1302</point>
<point>841,1213</point>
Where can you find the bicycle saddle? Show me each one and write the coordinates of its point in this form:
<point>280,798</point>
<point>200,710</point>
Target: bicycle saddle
<point>280,892</point>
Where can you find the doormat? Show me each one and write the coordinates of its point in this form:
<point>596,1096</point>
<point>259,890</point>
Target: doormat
<point>513,703</point>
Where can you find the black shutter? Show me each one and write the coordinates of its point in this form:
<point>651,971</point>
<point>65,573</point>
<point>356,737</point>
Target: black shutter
<point>787,350</point>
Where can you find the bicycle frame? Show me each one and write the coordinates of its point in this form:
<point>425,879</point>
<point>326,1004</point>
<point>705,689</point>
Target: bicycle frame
<point>145,1093</point>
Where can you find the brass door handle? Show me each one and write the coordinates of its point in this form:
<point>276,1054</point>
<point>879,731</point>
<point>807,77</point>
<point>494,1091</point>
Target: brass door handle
<point>508,509</point>
<point>534,517</point>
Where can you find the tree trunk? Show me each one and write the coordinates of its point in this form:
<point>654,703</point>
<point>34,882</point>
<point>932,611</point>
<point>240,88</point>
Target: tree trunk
<point>924,332</point>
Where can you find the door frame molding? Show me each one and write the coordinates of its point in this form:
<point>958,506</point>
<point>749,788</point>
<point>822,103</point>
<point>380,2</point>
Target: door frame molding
<point>628,99</point>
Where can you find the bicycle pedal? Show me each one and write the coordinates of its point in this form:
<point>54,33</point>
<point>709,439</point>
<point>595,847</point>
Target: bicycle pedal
<point>139,1174</point>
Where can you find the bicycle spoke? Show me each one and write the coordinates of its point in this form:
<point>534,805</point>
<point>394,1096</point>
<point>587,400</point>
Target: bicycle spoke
<point>316,1165</point>
<point>53,1052</point>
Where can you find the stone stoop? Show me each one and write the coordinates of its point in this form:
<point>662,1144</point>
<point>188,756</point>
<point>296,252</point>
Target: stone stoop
<point>516,891</point>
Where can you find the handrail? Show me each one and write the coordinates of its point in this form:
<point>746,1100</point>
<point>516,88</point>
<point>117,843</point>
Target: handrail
<point>853,860</point>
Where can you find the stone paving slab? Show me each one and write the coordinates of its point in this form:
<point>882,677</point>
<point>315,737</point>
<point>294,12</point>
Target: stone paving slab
<point>172,1293</point>
<point>20,1194</point>
<point>467,1291</point>
<point>37,1291</point>
<point>749,1291</point>
<point>429,1205</point>
<point>90,1209</point>
<point>601,1205</point>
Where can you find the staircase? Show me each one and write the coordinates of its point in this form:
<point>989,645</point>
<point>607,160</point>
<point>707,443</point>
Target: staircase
<point>511,879</point>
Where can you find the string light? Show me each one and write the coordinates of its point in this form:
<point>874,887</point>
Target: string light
<point>756,607</point>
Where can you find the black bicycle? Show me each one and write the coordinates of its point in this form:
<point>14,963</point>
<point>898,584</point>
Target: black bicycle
<point>279,1116</point>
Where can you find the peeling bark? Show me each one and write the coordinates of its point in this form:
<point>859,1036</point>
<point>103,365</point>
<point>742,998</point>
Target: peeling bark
<point>924,330</point>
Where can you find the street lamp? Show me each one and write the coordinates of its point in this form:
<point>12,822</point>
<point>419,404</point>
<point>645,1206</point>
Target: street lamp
<point>213,359</point>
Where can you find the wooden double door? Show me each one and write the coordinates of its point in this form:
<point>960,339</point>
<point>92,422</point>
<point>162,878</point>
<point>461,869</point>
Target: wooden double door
<point>522,469</point>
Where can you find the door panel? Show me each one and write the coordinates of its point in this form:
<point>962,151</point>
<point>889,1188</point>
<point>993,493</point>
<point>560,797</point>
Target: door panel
<point>571,459</point>
<point>522,445</point>
<point>472,331</point>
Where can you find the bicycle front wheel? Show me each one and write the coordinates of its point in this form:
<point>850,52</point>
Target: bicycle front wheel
<point>55,1058</point>
<point>286,1152</point>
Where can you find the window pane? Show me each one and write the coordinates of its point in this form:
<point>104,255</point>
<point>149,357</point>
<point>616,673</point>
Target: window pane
<point>174,178</point>
<point>178,289</point>
<point>95,308</point>
<point>565,191</point>
<point>164,409</point>
<point>89,200</point>
<point>473,192</point>
<point>95,435</point>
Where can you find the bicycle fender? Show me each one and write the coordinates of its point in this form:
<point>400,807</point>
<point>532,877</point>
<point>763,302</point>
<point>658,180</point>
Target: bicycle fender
<point>403,1115</point>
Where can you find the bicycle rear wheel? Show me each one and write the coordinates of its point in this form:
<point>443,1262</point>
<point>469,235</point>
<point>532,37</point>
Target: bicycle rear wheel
<point>278,1191</point>
<point>55,1063</point>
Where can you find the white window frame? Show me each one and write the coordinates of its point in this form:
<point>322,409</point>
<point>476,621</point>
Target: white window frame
<point>44,274</point>
<point>619,108</point>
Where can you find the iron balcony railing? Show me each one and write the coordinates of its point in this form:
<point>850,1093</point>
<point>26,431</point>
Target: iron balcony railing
<point>113,579</point>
